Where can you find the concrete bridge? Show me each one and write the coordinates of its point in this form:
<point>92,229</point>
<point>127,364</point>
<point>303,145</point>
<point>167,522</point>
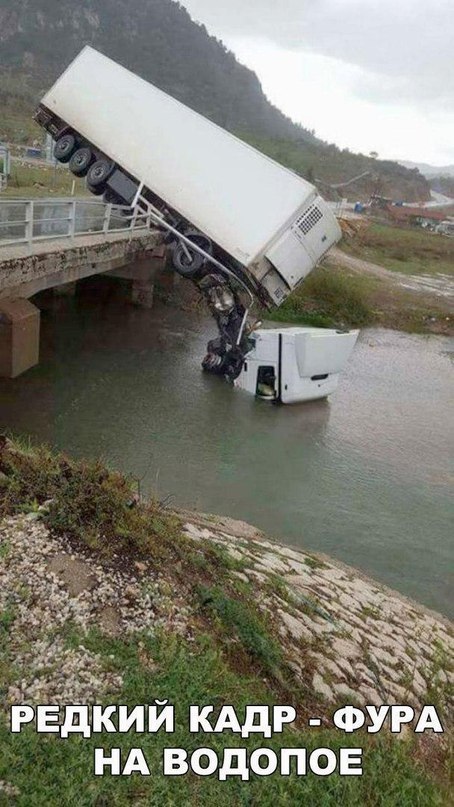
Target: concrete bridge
<point>54,251</point>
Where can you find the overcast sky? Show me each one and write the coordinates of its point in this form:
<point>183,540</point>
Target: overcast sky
<point>370,75</point>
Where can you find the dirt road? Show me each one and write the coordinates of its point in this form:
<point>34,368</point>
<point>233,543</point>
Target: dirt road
<point>437,286</point>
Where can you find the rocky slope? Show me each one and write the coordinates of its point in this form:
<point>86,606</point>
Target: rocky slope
<point>346,638</point>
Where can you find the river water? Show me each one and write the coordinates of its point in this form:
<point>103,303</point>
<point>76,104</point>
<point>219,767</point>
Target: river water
<point>365,477</point>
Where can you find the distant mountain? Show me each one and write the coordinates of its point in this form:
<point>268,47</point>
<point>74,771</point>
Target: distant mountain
<point>155,38</point>
<point>443,184</point>
<point>430,170</point>
<point>158,40</point>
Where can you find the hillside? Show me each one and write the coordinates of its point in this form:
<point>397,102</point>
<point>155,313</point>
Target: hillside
<point>443,184</point>
<point>326,165</point>
<point>159,40</point>
<point>430,171</point>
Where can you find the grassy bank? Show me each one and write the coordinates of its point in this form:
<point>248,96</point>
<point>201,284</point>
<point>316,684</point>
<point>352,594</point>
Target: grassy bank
<point>17,124</point>
<point>333,297</point>
<point>52,772</point>
<point>232,655</point>
<point>409,250</point>
<point>28,181</point>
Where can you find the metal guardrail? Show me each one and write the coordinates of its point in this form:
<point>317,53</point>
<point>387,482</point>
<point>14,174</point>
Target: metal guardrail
<point>26,221</point>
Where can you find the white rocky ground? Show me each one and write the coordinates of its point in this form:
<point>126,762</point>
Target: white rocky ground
<point>48,589</point>
<point>362,640</point>
<point>357,639</point>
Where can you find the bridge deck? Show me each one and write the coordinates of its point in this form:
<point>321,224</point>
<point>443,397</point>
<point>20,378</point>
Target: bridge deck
<point>24,272</point>
<point>63,244</point>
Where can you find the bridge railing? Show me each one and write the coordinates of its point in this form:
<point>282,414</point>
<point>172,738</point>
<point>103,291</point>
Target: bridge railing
<point>25,221</point>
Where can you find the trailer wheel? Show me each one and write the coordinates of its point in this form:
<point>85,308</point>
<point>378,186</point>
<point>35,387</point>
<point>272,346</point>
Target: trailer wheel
<point>65,147</point>
<point>80,161</point>
<point>99,173</point>
<point>189,266</point>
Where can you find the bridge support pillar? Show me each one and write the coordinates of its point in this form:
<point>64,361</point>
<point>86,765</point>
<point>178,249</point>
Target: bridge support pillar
<point>19,336</point>
<point>142,274</point>
<point>66,289</point>
<point>142,293</point>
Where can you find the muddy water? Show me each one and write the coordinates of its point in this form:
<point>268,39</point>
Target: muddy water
<point>365,477</point>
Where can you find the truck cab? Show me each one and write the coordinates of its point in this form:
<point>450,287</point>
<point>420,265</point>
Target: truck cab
<point>290,365</point>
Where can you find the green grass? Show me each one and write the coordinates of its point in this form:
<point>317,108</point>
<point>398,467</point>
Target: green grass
<point>87,503</point>
<point>16,123</point>
<point>4,549</point>
<point>96,508</point>
<point>329,299</point>
<point>332,297</point>
<point>441,691</point>
<point>314,563</point>
<point>412,251</point>
<point>242,620</point>
<point>35,181</point>
<point>48,771</point>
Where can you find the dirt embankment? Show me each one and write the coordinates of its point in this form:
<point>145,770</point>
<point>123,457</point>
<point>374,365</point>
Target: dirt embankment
<point>435,288</point>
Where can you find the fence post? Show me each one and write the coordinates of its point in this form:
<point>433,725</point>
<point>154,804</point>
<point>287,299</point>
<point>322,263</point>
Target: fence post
<point>72,220</point>
<point>107,215</point>
<point>29,211</point>
<point>133,221</point>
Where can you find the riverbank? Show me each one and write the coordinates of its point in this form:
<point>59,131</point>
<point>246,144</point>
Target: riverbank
<point>106,598</point>
<point>341,294</point>
<point>388,276</point>
<point>408,250</point>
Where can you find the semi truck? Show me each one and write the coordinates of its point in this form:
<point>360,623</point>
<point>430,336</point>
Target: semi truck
<point>238,224</point>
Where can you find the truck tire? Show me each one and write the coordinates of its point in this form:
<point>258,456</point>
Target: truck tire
<point>99,173</point>
<point>80,161</point>
<point>189,267</point>
<point>65,147</point>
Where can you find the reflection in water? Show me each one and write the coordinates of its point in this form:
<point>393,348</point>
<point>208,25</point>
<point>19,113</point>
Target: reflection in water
<point>365,477</point>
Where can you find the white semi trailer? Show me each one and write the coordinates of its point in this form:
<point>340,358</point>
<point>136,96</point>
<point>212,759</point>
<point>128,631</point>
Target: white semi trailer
<point>242,227</point>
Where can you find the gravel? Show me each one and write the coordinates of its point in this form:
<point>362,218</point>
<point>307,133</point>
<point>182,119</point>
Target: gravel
<point>47,606</point>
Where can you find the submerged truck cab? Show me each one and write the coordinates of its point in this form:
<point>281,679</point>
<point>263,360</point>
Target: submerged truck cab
<point>289,365</point>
